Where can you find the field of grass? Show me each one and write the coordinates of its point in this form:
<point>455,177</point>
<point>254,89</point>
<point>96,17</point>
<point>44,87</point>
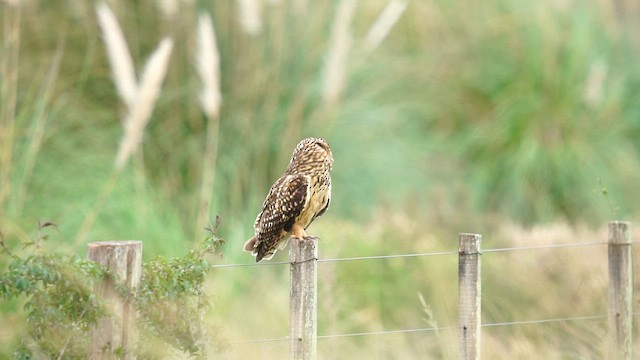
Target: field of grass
<point>516,120</point>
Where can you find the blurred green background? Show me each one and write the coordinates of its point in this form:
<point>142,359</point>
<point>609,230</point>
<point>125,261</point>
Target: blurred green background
<point>514,119</point>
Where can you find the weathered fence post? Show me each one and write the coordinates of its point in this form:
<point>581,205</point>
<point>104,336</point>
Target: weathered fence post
<point>620,290</point>
<point>115,336</point>
<point>469,295</point>
<point>303,299</point>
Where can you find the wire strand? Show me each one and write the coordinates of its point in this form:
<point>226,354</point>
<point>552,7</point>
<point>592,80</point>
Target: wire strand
<point>438,253</point>
<point>376,257</point>
<point>545,321</point>
<point>250,264</point>
<point>443,328</point>
<point>541,247</point>
<point>257,341</point>
<point>387,332</point>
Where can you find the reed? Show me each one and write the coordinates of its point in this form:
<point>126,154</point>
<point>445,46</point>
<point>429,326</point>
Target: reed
<point>383,24</point>
<point>168,8</point>
<point>40,118</point>
<point>250,16</point>
<point>138,98</point>
<point>148,92</point>
<point>120,59</point>
<point>335,70</point>
<point>9,61</point>
<point>208,68</point>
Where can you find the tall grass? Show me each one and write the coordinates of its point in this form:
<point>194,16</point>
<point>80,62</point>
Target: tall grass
<point>336,65</point>
<point>8,90</point>
<point>208,67</point>
<point>139,99</point>
<point>377,295</point>
<point>528,104</point>
<point>272,82</point>
<point>533,102</point>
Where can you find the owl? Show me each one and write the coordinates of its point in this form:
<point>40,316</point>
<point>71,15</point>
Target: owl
<point>295,199</point>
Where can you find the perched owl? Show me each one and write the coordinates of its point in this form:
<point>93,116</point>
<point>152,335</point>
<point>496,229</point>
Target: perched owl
<point>299,196</point>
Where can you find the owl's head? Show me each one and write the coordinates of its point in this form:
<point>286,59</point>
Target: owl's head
<point>311,154</point>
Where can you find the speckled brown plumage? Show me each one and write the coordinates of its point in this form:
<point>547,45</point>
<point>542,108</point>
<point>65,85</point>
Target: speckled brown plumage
<point>295,200</point>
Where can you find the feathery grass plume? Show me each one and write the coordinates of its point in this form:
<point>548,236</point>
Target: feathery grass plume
<point>208,67</point>
<point>336,66</point>
<point>168,8</point>
<point>140,113</point>
<point>380,29</point>
<point>119,56</point>
<point>250,12</point>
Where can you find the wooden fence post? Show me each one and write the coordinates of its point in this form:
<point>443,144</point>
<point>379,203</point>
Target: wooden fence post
<point>114,337</point>
<point>303,300</point>
<point>620,291</point>
<point>469,295</point>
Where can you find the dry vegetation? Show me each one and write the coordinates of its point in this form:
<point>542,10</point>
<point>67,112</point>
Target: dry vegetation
<point>377,295</point>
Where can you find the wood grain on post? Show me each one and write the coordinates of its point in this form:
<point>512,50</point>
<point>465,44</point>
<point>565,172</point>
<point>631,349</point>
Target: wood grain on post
<point>469,295</point>
<point>303,300</point>
<point>620,290</point>
<point>114,337</point>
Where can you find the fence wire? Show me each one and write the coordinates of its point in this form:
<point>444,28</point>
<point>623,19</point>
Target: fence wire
<point>432,329</point>
<point>414,255</point>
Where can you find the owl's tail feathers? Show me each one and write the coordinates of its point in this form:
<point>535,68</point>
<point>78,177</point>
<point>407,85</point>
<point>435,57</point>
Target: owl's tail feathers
<point>256,250</point>
<point>250,245</point>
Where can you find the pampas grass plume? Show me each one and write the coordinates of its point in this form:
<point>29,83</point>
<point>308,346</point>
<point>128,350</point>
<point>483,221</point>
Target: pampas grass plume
<point>336,66</point>
<point>118,53</point>
<point>148,92</point>
<point>250,12</point>
<point>383,25</point>
<point>208,67</point>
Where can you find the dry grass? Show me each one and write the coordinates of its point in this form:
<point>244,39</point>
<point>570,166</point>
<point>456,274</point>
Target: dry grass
<point>40,121</point>
<point>250,16</point>
<point>208,68</point>
<point>383,25</point>
<point>139,99</point>
<point>335,70</point>
<point>148,92</point>
<point>9,57</point>
<point>120,59</point>
<point>377,295</point>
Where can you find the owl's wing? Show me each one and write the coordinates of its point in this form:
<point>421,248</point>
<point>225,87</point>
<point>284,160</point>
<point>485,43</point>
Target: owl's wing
<point>328,203</point>
<point>285,201</point>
